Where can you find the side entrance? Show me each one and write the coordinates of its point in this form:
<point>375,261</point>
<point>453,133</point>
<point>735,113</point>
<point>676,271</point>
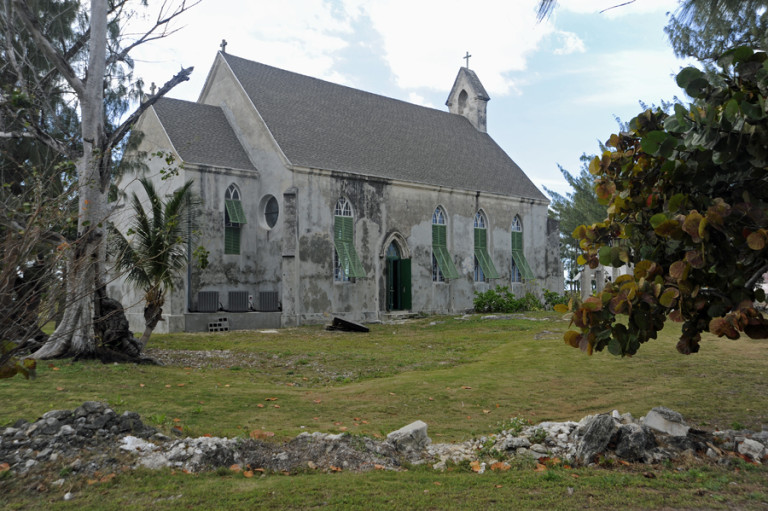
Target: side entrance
<point>398,280</point>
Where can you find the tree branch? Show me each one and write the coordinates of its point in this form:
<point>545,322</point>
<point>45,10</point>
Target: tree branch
<point>116,136</point>
<point>40,136</point>
<point>755,277</point>
<point>56,58</point>
<point>615,6</point>
<point>163,21</point>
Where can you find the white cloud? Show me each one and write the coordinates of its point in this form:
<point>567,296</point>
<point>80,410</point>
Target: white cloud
<point>424,41</point>
<point>616,77</point>
<point>300,35</point>
<point>571,43</point>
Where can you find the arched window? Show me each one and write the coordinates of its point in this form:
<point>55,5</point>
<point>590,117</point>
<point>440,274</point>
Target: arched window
<point>346,264</point>
<point>484,268</point>
<point>442,263</point>
<point>234,218</point>
<point>462,101</point>
<point>520,269</point>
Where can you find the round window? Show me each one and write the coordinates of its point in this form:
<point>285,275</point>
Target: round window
<point>271,212</point>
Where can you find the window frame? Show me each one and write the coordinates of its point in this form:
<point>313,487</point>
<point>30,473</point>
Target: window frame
<point>442,263</point>
<point>346,263</point>
<point>485,270</point>
<point>520,270</point>
<point>234,219</point>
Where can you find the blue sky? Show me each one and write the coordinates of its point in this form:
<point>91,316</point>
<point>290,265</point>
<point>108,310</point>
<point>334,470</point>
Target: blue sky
<point>556,87</point>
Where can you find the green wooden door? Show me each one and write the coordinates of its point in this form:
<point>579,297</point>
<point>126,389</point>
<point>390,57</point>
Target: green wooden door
<point>398,284</point>
<point>405,284</point>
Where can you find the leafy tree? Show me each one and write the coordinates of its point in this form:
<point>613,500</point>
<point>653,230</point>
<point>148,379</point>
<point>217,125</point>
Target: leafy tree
<point>92,67</point>
<point>687,196</point>
<point>575,208</point>
<point>157,252</point>
<point>705,30</point>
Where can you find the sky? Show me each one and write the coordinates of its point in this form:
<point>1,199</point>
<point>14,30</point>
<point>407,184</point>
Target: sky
<point>556,87</point>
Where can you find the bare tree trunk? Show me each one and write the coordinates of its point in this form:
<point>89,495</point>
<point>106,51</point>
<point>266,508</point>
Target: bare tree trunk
<point>74,336</point>
<point>78,334</point>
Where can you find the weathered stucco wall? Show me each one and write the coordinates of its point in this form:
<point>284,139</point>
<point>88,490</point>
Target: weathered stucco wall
<point>295,257</point>
<point>152,166</point>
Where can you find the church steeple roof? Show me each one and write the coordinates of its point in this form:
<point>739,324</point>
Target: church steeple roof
<point>468,98</point>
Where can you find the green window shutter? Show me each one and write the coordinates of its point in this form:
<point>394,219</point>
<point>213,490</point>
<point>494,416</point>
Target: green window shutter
<point>235,211</point>
<point>519,257</point>
<point>517,241</point>
<point>483,257</point>
<point>439,236</point>
<point>439,248</point>
<point>232,240</point>
<point>345,247</point>
<point>522,265</point>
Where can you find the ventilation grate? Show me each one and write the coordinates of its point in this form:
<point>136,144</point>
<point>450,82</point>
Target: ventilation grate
<point>268,301</point>
<point>238,301</point>
<point>207,301</point>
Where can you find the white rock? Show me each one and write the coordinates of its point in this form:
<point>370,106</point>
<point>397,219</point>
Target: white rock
<point>134,444</point>
<point>413,436</point>
<point>752,448</point>
<point>666,421</point>
<point>154,461</point>
<point>68,496</point>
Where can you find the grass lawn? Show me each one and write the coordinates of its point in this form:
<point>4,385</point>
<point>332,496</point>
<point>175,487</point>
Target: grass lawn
<point>463,378</point>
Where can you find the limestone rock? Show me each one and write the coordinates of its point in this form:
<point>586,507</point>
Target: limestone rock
<point>634,441</point>
<point>597,434</point>
<point>752,448</point>
<point>666,421</point>
<point>412,437</point>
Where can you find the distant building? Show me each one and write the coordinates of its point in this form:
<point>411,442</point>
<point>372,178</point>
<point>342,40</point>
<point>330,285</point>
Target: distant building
<point>320,199</point>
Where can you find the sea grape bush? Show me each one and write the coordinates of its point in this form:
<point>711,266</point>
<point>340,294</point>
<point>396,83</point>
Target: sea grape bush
<point>687,207</point>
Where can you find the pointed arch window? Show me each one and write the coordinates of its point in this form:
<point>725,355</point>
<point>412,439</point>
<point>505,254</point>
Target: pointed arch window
<point>484,268</point>
<point>442,263</point>
<point>234,219</point>
<point>520,269</point>
<point>346,263</point>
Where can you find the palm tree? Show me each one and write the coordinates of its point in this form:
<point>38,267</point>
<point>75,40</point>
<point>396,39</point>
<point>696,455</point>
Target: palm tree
<point>157,252</point>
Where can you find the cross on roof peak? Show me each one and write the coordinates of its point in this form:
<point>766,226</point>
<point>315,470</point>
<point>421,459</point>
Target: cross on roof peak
<point>466,57</point>
<point>223,46</point>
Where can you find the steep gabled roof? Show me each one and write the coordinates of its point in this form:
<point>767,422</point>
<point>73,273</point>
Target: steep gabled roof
<point>201,134</point>
<point>327,126</point>
<point>473,80</point>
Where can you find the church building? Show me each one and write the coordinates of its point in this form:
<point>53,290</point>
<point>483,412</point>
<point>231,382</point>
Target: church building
<point>320,200</point>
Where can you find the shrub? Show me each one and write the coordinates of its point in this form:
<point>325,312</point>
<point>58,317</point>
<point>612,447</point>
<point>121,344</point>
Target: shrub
<point>551,299</point>
<point>501,299</point>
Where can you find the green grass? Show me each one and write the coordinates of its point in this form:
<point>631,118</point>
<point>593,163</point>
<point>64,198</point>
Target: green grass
<point>463,378</point>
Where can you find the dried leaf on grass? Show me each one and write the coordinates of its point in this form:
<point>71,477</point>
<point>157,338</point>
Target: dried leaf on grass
<point>260,434</point>
<point>501,466</point>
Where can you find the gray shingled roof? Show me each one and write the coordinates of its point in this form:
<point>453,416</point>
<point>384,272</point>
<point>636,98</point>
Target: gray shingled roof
<point>323,125</point>
<point>201,134</point>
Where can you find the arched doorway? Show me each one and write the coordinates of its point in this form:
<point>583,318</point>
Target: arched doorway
<point>398,279</point>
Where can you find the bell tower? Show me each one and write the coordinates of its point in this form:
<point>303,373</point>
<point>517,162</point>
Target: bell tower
<point>468,98</point>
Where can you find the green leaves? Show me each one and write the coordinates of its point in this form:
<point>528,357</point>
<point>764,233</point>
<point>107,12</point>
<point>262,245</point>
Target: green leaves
<point>693,81</point>
<point>686,197</point>
<point>659,143</point>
